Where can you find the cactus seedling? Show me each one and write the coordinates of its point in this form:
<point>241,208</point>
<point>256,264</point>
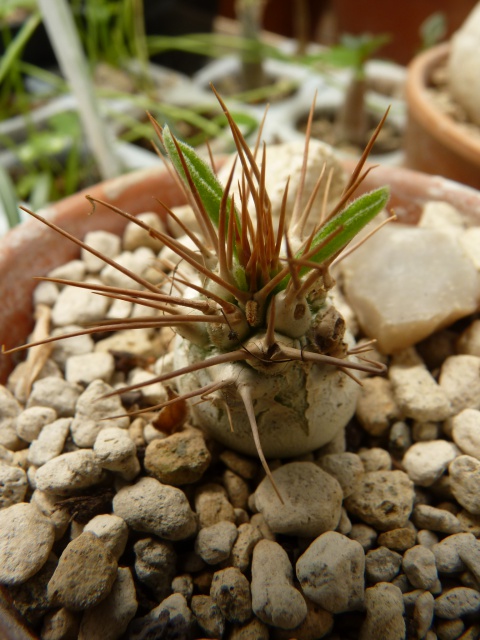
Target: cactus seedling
<point>262,354</point>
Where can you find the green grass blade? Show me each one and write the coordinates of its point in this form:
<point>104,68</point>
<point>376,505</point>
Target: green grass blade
<point>8,198</point>
<point>15,48</point>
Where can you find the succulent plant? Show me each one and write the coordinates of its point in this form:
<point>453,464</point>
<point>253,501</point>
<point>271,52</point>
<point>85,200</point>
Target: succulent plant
<point>262,354</point>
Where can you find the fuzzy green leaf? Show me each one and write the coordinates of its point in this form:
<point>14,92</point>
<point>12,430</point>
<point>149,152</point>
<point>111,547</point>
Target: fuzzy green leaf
<point>209,188</point>
<point>343,228</point>
<point>350,222</point>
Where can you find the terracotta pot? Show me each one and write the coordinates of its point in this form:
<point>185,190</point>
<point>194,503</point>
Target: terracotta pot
<point>434,142</point>
<point>401,20</point>
<point>32,249</point>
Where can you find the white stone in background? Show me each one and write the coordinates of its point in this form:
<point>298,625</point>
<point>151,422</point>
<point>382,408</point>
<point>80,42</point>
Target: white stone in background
<point>109,619</point>
<point>460,380</point>
<point>212,505</point>
<point>10,408</point>
<point>312,500</point>
<point>50,442</point>
<point>214,544</point>
<point>447,552</point>
<point>7,456</point>
<point>136,341</point>
<point>185,213</point>
<point>93,406</point>
<point>76,346</point>
<point>78,306</point>
<point>153,393</point>
<point>385,609</point>
<point>85,431</point>
<point>416,291</point>
<point>103,241</point>
<point>31,421</point>
<point>89,367</point>
<point>155,508</point>
<point>465,482</point>
<point>466,432</point>
<point>117,452</point>
<point>56,393</point>
<point>120,309</point>
<point>135,236</point>
<point>425,462</point>
<point>419,566</point>
<point>73,270</point>
<point>25,544</point>
<point>346,468</point>
<point>69,472</point>
<point>275,600</point>
<point>45,293</point>
<point>443,217</point>
<point>416,392</point>
<point>171,258</point>
<point>47,503</point>
<point>13,485</point>
<point>331,573</point>
<point>138,261</point>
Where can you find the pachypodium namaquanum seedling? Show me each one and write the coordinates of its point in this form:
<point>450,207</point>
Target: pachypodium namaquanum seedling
<point>262,354</point>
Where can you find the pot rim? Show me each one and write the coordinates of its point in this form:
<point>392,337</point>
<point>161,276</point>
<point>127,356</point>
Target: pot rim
<point>438,124</point>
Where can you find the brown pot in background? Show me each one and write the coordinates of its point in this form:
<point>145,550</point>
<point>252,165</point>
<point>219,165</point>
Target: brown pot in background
<point>434,142</point>
<point>401,20</point>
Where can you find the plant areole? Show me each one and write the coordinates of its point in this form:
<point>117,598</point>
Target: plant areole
<point>261,354</point>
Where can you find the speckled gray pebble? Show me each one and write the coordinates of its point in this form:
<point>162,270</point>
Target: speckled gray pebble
<point>214,544</point>
<point>447,552</point>
<point>208,616</point>
<point>13,485</point>
<point>155,508</point>
<point>460,380</point>
<point>87,367</point>
<point>345,467</point>
<point>110,618</point>
<point>230,591</point>
<point>420,568</point>
<point>312,500</point>
<point>384,606</point>
<point>425,516</point>
<point>331,572</point>
<point>248,536</point>
<point>111,530</point>
<point>67,473</point>
<point>383,499</point>
<point>50,442</point>
<point>84,575</point>
<point>425,462</point>
<point>26,541</point>
<point>382,565</point>
<point>31,421</point>
<point>457,602</point>
<point>56,393</point>
<point>212,505</point>
<point>94,406</point>
<point>274,598</point>
<point>464,474</point>
<point>466,432</point>
<point>423,613</point>
<point>155,564</point>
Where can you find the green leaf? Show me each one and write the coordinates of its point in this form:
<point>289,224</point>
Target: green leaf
<point>350,222</point>
<point>8,198</point>
<point>343,228</point>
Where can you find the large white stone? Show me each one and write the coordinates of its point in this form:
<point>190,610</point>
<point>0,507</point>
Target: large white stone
<point>406,282</point>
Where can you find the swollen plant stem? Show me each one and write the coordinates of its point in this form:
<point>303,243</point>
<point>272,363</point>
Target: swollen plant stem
<point>66,44</point>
